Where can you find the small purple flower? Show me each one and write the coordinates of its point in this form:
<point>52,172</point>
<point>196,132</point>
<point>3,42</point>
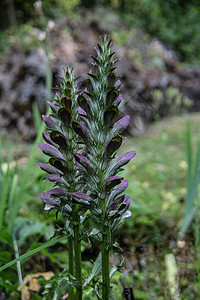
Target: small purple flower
<point>49,201</point>
<point>121,125</point>
<point>81,196</point>
<point>81,159</point>
<point>119,162</point>
<point>80,129</point>
<point>118,100</point>
<point>112,182</point>
<point>54,107</point>
<point>51,125</point>
<point>48,140</point>
<point>50,150</point>
<point>49,169</point>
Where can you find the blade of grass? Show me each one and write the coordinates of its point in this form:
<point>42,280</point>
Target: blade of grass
<point>4,191</point>
<point>19,270</point>
<point>12,204</point>
<point>37,117</point>
<point>192,182</point>
<point>189,175</point>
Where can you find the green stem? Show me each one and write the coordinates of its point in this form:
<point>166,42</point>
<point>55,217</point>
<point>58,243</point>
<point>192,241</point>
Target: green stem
<point>77,251</point>
<point>19,270</point>
<point>105,262</point>
<point>71,265</point>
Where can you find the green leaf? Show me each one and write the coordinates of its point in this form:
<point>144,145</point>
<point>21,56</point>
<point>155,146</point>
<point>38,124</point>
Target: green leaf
<point>117,267</point>
<point>8,285</point>
<point>95,270</point>
<point>4,256</point>
<point>6,237</point>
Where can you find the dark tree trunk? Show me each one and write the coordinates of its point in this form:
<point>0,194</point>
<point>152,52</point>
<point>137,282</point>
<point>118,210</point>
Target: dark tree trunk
<point>11,13</point>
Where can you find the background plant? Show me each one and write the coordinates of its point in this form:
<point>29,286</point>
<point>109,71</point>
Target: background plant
<point>170,102</point>
<point>192,182</point>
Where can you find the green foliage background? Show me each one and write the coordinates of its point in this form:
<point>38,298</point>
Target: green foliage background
<point>175,22</point>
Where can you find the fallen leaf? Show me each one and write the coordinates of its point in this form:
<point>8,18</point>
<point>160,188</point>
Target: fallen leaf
<point>34,285</point>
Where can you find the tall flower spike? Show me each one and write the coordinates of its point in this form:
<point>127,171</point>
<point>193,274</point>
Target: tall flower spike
<point>100,132</point>
<point>61,143</point>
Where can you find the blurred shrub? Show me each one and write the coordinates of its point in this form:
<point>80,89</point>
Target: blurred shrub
<point>170,102</point>
<point>175,22</point>
<point>15,12</point>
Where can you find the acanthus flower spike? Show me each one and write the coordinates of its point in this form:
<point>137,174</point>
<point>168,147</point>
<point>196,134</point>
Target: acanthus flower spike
<point>100,132</point>
<point>61,143</point>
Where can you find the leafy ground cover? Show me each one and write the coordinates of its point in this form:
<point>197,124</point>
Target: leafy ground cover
<point>157,189</point>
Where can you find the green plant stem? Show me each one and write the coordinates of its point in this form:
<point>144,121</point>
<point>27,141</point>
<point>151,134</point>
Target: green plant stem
<point>105,262</point>
<point>71,265</point>
<point>77,252</point>
<point>19,270</point>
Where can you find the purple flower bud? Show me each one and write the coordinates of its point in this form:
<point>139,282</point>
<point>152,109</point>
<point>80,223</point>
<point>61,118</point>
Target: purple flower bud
<point>48,140</point>
<point>57,192</point>
<point>81,111</point>
<point>80,129</point>
<point>124,158</point>
<point>120,188</point>
<point>50,123</point>
<point>118,83</point>
<point>82,159</point>
<point>115,202</point>
<point>81,196</point>
<point>122,208</point>
<point>53,106</point>
<point>50,150</point>
<point>117,190</point>
<point>48,168</point>
<point>49,201</point>
<point>121,125</point>
<point>119,162</point>
<point>119,207</point>
<point>118,100</point>
<point>112,182</point>
<point>56,179</point>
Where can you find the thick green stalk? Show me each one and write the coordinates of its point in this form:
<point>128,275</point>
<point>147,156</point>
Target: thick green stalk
<point>71,264</point>
<point>105,262</point>
<point>77,252</point>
